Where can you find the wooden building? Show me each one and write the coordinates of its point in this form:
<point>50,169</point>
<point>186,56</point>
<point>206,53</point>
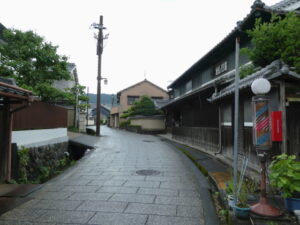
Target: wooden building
<point>12,99</point>
<point>200,112</point>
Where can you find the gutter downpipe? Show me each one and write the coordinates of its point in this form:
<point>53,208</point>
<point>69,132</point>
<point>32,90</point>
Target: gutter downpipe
<point>236,118</point>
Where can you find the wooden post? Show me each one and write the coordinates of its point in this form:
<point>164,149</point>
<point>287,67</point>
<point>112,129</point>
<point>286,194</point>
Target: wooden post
<point>283,109</point>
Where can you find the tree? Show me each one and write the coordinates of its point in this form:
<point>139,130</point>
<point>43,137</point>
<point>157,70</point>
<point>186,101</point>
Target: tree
<point>145,107</point>
<point>82,97</point>
<point>33,63</point>
<point>277,39</point>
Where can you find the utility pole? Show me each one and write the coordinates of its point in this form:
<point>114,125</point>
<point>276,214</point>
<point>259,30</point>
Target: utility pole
<point>100,38</point>
<point>99,53</point>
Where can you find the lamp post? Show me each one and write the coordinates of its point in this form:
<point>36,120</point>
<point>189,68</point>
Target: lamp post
<point>262,142</point>
<point>100,38</point>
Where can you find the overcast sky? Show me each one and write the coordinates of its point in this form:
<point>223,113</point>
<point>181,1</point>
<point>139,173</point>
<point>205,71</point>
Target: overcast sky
<point>153,39</point>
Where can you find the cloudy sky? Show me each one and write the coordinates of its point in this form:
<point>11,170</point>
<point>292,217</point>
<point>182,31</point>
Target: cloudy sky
<point>153,39</point>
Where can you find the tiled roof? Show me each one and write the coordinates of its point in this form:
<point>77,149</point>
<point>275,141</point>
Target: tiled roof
<point>258,6</point>
<point>119,93</point>
<point>286,5</point>
<point>274,70</point>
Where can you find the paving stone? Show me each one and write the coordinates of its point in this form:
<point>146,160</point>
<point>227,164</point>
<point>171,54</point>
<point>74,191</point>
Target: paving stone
<point>114,183</point>
<point>22,214</point>
<point>102,206</point>
<point>75,182</point>
<point>52,187</point>
<point>130,178</point>
<point>118,219</point>
<point>90,196</point>
<point>169,220</point>
<point>97,182</point>
<point>52,204</point>
<point>59,216</point>
<point>53,195</point>
<point>121,190</point>
<point>158,191</point>
<point>97,177</point>
<point>81,189</point>
<point>188,193</point>
<point>163,178</point>
<point>179,185</point>
<point>139,208</point>
<point>11,222</point>
<point>170,200</point>
<point>189,211</point>
<point>147,184</point>
<point>132,198</point>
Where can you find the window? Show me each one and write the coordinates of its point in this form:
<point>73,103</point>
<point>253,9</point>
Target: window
<point>132,99</point>
<point>156,97</point>
<point>221,68</point>
<point>189,86</point>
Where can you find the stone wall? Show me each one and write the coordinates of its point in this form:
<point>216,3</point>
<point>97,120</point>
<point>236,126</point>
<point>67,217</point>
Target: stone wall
<point>41,159</point>
<point>151,124</point>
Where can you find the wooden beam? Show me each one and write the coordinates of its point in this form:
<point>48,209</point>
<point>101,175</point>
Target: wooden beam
<point>283,109</point>
<point>11,95</point>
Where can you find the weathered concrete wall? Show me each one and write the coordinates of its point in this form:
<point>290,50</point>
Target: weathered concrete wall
<point>149,123</point>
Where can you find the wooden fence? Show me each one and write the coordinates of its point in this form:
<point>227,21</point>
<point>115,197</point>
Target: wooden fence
<point>40,115</point>
<point>204,137</point>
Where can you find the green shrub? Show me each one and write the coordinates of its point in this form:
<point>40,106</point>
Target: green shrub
<point>285,174</point>
<point>246,70</point>
<point>124,124</point>
<point>277,39</point>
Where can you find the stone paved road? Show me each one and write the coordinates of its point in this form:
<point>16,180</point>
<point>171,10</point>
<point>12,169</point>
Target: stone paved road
<point>104,188</point>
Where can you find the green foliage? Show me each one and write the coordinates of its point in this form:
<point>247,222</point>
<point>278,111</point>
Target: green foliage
<point>33,62</point>
<point>40,174</point>
<point>277,39</point>
<point>246,70</point>
<point>144,107</point>
<point>285,174</point>
<point>243,197</point>
<point>23,163</point>
<point>124,124</point>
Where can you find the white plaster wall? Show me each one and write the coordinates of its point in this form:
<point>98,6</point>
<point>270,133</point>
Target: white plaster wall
<point>149,123</point>
<point>35,138</point>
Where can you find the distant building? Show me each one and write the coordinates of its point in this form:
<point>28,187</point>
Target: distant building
<point>63,85</point>
<point>66,84</point>
<point>128,96</point>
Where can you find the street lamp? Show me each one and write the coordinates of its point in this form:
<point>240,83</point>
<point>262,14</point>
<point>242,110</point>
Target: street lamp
<point>262,142</point>
<point>100,39</point>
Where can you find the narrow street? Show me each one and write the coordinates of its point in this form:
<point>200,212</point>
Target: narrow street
<point>130,179</point>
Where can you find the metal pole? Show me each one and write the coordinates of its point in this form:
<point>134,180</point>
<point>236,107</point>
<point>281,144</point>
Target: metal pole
<point>99,53</point>
<point>87,106</point>
<point>236,118</point>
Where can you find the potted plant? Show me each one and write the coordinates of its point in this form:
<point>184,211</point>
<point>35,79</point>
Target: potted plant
<point>285,176</point>
<point>229,193</point>
<point>242,209</point>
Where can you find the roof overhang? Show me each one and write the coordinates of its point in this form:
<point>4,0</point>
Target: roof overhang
<point>259,10</point>
<point>15,93</point>
<point>275,70</point>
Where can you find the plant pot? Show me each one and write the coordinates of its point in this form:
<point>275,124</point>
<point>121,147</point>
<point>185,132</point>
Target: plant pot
<point>230,201</point>
<point>241,213</point>
<point>292,204</point>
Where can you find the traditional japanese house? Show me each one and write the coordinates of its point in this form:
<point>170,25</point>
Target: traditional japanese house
<point>200,112</point>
